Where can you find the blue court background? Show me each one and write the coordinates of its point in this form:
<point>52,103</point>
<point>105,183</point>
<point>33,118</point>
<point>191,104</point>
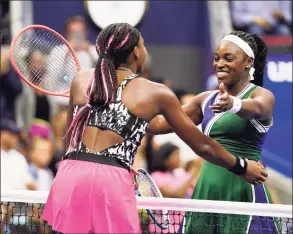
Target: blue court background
<point>277,152</point>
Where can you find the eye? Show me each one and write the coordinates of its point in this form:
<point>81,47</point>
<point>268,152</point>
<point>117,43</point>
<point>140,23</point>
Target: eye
<point>229,59</point>
<point>216,58</point>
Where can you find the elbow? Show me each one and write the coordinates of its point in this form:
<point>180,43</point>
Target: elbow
<point>261,113</point>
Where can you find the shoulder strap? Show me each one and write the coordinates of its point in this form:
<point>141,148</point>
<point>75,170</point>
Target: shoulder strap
<point>207,99</point>
<point>123,84</point>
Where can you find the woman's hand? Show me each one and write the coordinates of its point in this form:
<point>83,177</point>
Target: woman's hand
<point>224,101</point>
<point>134,173</point>
<point>255,173</point>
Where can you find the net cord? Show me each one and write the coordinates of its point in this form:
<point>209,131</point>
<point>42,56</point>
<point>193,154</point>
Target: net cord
<point>207,206</point>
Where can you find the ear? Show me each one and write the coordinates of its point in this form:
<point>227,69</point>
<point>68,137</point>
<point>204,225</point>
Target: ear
<point>249,63</point>
<point>136,52</point>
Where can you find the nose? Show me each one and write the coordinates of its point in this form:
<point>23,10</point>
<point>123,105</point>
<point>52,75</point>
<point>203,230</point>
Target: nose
<point>219,64</point>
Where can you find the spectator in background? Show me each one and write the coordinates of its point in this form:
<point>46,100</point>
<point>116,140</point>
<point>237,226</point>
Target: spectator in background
<point>40,156</point>
<point>173,182</point>
<point>10,86</point>
<point>34,109</point>
<point>186,153</point>
<point>168,174</point>
<point>14,167</point>
<point>193,166</point>
<point>76,34</point>
<point>263,18</point>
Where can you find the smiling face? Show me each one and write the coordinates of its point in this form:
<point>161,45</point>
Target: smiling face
<point>231,64</point>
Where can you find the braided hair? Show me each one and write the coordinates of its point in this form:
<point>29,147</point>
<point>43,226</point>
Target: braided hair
<point>260,51</point>
<point>114,44</point>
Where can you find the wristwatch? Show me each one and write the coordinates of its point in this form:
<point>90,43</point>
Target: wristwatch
<point>104,13</point>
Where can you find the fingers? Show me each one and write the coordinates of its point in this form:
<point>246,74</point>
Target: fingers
<point>256,173</point>
<point>136,186</point>
<point>258,182</point>
<point>217,108</point>
<point>222,88</point>
<point>133,171</point>
<point>223,96</point>
<point>222,104</point>
<point>264,173</point>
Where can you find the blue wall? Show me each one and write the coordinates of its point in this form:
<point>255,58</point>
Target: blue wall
<point>165,23</point>
<point>278,144</point>
<point>168,25</point>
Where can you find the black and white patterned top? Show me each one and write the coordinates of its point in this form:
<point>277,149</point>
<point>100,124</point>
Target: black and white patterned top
<point>117,118</point>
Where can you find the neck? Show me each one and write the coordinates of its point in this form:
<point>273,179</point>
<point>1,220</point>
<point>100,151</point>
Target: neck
<point>124,71</point>
<point>129,67</point>
<point>238,87</point>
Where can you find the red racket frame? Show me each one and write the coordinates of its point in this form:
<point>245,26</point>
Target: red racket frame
<point>13,63</point>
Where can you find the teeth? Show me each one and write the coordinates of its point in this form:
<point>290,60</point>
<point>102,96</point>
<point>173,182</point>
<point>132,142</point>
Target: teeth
<point>222,73</point>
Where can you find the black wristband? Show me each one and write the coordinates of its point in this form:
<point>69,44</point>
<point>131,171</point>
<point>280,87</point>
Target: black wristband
<point>240,166</point>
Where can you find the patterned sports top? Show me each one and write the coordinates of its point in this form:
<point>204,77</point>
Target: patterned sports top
<point>117,118</point>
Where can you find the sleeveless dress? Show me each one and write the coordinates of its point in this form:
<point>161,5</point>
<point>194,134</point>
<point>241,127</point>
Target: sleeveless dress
<point>94,192</point>
<point>243,138</point>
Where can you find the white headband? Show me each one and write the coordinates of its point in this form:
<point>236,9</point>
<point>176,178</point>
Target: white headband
<point>243,46</point>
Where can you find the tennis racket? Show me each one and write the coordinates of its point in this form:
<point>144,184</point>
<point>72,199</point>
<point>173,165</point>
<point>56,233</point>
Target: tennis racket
<point>44,60</point>
<point>148,188</point>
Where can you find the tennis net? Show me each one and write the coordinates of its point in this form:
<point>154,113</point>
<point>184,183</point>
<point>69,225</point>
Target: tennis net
<point>21,214</point>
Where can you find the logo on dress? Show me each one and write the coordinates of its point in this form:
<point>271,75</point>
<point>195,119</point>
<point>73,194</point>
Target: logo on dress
<point>241,162</point>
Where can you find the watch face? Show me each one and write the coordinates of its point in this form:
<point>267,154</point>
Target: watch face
<point>104,13</point>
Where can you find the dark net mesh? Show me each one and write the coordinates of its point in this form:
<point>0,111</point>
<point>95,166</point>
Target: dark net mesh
<point>44,60</point>
<point>25,218</point>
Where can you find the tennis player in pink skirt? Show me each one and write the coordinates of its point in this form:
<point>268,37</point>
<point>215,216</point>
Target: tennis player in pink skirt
<point>93,190</point>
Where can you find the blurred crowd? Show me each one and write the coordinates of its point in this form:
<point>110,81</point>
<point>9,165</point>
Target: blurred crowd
<point>263,18</point>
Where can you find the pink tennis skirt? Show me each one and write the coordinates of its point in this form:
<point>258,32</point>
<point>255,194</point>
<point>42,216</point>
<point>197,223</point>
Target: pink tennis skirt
<point>88,197</point>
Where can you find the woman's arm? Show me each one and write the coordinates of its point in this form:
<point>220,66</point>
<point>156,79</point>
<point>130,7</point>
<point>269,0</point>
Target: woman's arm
<point>159,125</point>
<point>202,145</point>
<point>69,114</point>
<point>259,105</point>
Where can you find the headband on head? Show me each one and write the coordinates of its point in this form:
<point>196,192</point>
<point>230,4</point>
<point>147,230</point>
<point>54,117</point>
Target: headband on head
<point>243,46</point>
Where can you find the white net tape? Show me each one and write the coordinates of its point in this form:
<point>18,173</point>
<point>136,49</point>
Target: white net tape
<point>179,210</point>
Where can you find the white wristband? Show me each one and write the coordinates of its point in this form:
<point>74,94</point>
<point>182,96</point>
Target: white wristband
<point>237,103</point>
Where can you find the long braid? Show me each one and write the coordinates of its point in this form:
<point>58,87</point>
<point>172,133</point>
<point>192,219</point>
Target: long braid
<point>114,44</point>
<point>260,51</point>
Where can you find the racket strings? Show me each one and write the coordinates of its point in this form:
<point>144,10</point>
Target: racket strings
<point>147,189</point>
<point>44,60</point>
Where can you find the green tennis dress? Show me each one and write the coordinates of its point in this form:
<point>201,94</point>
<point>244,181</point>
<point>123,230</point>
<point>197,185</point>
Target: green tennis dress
<point>243,138</point>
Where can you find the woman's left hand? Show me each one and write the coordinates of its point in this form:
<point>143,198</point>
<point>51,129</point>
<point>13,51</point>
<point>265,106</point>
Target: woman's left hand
<point>134,173</point>
<point>224,101</point>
